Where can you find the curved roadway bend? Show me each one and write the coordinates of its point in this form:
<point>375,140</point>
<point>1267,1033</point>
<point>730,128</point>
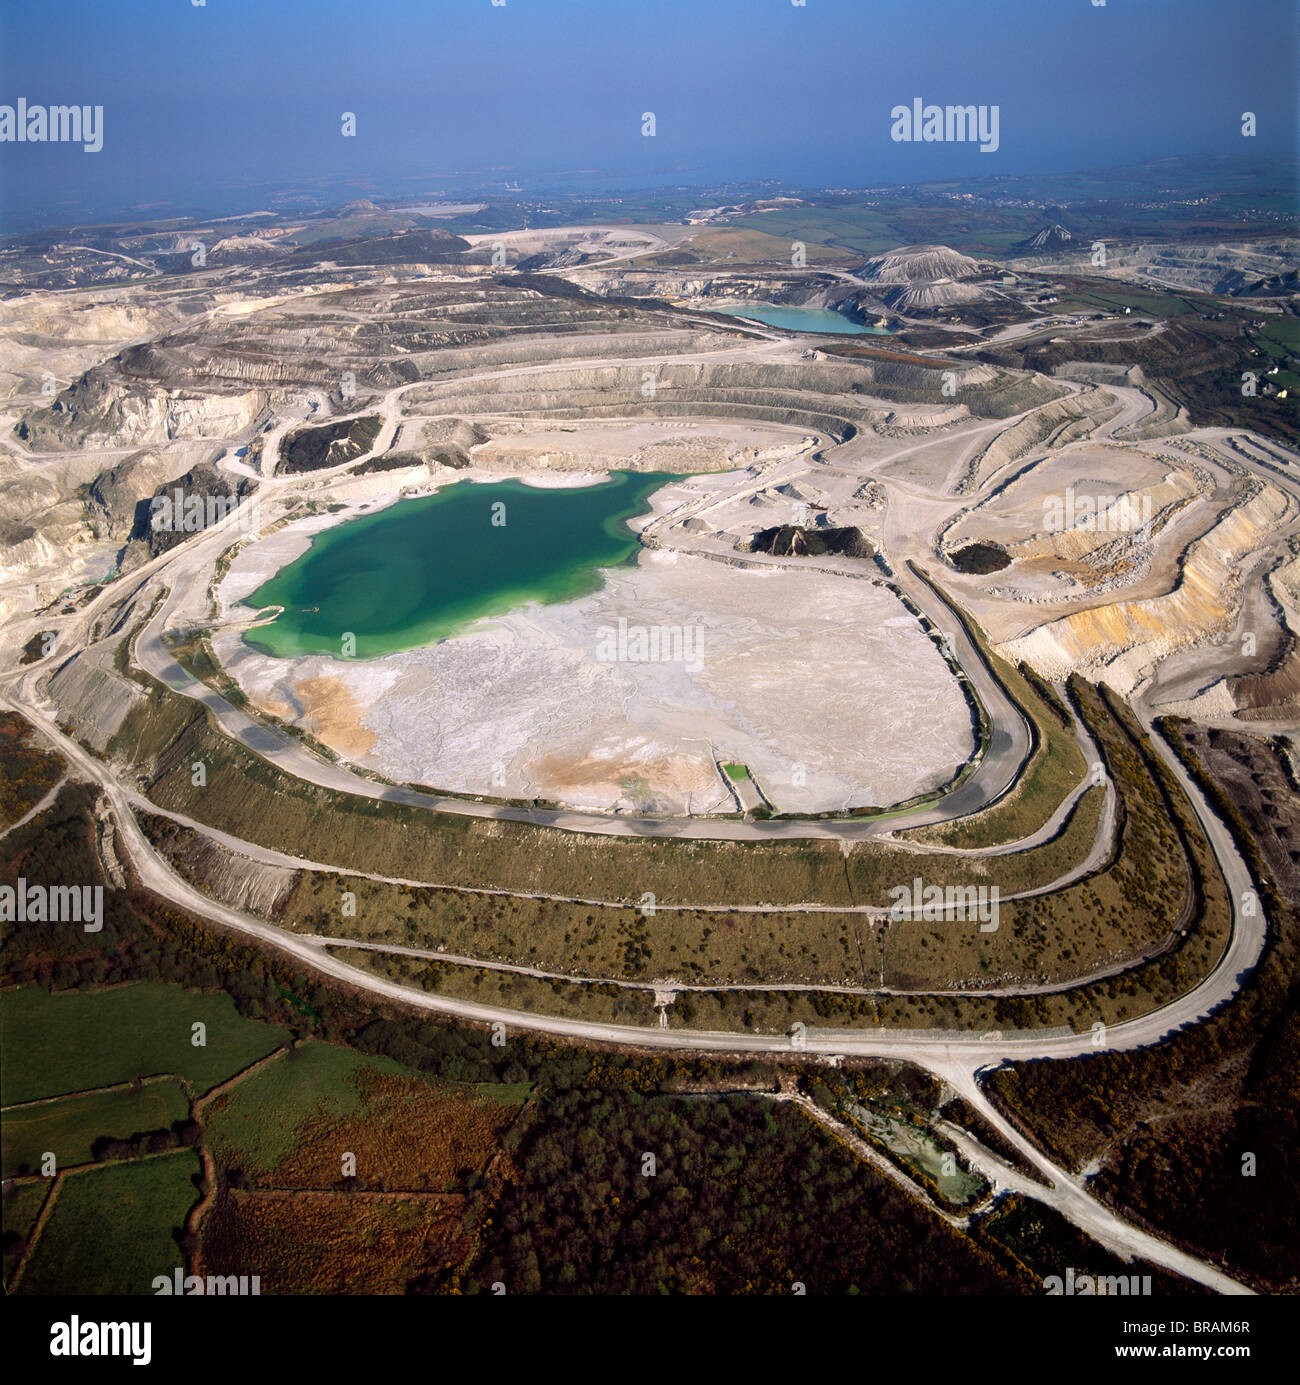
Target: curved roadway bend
<point>1241,954</point>
<point>957,1058</point>
<point>1007,750</point>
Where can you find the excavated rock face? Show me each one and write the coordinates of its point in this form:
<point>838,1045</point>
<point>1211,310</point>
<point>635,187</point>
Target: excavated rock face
<point>39,525</point>
<point>115,495</point>
<point>766,286</point>
<point>819,395</point>
<point>106,409</point>
<point>1273,693</point>
<point>187,499</point>
<point>1125,636</point>
<point>571,258</point>
<point>791,540</point>
<point>1246,268</point>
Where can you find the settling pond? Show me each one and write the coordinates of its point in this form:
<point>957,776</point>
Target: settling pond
<point>791,319</point>
<point>420,570</point>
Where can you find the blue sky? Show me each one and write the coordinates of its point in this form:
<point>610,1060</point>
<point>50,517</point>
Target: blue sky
<point>200,100</point>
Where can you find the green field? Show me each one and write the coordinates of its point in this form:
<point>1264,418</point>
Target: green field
<point>737,773</point>
<point>253,1126</point>
<point>76,1041</point>
<point>68,1128</point>
<point>111,1228</point>
<point>1280,339</point>
<point>1285,331</point>
<point>1143,302</point>
<point>862,230</point>
<point>22,1205</point>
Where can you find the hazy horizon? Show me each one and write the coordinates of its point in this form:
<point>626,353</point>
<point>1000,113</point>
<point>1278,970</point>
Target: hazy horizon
<point>206,107</point>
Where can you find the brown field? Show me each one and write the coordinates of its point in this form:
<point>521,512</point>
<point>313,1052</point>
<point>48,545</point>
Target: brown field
<point>407,1135</point>
<point>335,1243</point>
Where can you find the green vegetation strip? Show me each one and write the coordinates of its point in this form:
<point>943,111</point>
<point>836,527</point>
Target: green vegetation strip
<point>113,1229</point>
<point>69,1127</point>
<point>75,1041</point>
<point>1054,770</point>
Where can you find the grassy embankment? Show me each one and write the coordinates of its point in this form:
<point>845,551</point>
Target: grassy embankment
<point>1172,1126</point>
<point>1112,907</point>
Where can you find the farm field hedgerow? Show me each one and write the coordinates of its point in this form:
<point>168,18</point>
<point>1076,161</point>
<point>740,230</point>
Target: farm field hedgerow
<point>68,1128</point>
<point>112,1228</point>
<point>76,1041</point>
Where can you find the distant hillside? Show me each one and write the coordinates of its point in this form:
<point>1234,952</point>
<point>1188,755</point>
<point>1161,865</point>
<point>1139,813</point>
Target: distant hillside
<point>406,247</point>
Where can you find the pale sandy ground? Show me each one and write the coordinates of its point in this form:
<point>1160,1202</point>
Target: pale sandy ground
<point>637,445</point>
<point>821,683</point>
<point>568,480</point>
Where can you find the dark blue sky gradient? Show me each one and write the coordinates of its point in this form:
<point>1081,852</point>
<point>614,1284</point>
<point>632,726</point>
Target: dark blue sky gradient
<point>204,106</point>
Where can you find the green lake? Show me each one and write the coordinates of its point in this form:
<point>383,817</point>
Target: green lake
<point>803,319</point>
<point>411,574</point>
